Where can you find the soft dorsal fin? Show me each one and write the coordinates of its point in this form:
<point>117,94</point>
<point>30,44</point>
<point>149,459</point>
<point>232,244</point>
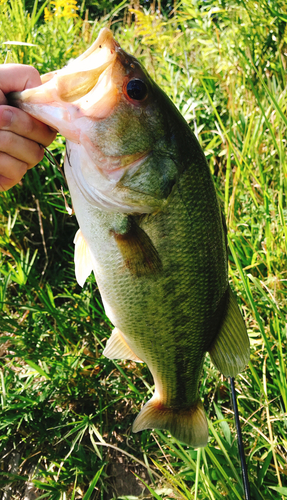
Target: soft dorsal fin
<point>230,351</point>
<point>82,258</point>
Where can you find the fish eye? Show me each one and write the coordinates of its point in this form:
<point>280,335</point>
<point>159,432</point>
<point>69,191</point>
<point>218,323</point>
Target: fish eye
<point>136,89</point>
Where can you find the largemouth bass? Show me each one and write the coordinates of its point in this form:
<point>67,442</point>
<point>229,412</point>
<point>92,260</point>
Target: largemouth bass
<point>151,228</point>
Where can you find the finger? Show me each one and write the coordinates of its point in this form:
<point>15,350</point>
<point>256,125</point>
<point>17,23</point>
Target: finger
<point>21,148</point>
<point>12,171</point>
<point>3,99</point>
<point>20,123</point>
<point>18,77</point>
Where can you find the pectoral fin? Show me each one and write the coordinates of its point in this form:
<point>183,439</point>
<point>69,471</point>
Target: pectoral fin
<point>231,350</point>
<point>139,254</point>
<point>82,258</point>
<point>117,348</point>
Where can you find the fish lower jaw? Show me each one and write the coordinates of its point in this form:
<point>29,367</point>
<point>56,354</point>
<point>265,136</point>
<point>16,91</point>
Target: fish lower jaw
<point>103,199</point>
<point>116,168</point>
<point>103,193</point>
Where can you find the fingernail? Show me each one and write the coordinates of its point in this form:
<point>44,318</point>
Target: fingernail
<point>7,116</point>
<point>52,129</point>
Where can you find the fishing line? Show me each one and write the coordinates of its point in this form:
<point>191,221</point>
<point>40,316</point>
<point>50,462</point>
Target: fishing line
<point>246,486</point>
<point>52,160</point>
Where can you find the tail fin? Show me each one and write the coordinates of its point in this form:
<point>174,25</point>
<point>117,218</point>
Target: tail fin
<point>186,425</point>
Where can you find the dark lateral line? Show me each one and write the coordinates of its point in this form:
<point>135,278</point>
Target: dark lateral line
<point>246,486</point>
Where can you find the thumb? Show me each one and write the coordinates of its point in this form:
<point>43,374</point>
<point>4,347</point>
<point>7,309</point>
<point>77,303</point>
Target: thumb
<point>17,77</point>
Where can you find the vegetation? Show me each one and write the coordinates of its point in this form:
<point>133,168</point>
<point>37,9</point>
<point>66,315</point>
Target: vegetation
<point>66,411</point>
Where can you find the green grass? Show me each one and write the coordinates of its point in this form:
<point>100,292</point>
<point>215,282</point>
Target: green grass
<point>66,411</point>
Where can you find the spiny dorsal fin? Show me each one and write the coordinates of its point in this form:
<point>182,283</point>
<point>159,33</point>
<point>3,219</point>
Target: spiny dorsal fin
<point>117,348</point>
<point>139,254</point>
<point>82,258</point>
<point>186,425</point>
<point>230,351</point>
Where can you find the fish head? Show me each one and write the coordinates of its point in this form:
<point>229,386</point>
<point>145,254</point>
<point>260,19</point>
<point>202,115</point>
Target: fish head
<point>125,138</point>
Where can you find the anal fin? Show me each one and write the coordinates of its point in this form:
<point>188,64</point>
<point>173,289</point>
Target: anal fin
<point>82,258</point>
<point>230,351</point>
<point>188,425</point>
<point>117,348</point>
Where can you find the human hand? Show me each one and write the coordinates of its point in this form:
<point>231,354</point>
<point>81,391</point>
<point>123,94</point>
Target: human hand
<point>22,137</point>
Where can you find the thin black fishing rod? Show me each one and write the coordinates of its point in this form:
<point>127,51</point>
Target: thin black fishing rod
<point>240,443</point>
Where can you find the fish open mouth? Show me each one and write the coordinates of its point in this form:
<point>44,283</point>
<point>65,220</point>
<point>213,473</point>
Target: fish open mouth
<point>82,88</point>
<point>82,75</point>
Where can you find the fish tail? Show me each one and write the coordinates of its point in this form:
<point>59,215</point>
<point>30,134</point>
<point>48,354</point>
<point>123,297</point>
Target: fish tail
<point>187,425</point>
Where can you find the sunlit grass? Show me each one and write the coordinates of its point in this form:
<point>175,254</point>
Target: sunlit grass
<point>65,409</point>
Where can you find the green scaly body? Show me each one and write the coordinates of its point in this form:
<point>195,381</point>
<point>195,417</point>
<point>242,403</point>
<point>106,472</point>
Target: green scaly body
<point>150,228</point>
<point>169,318</point>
